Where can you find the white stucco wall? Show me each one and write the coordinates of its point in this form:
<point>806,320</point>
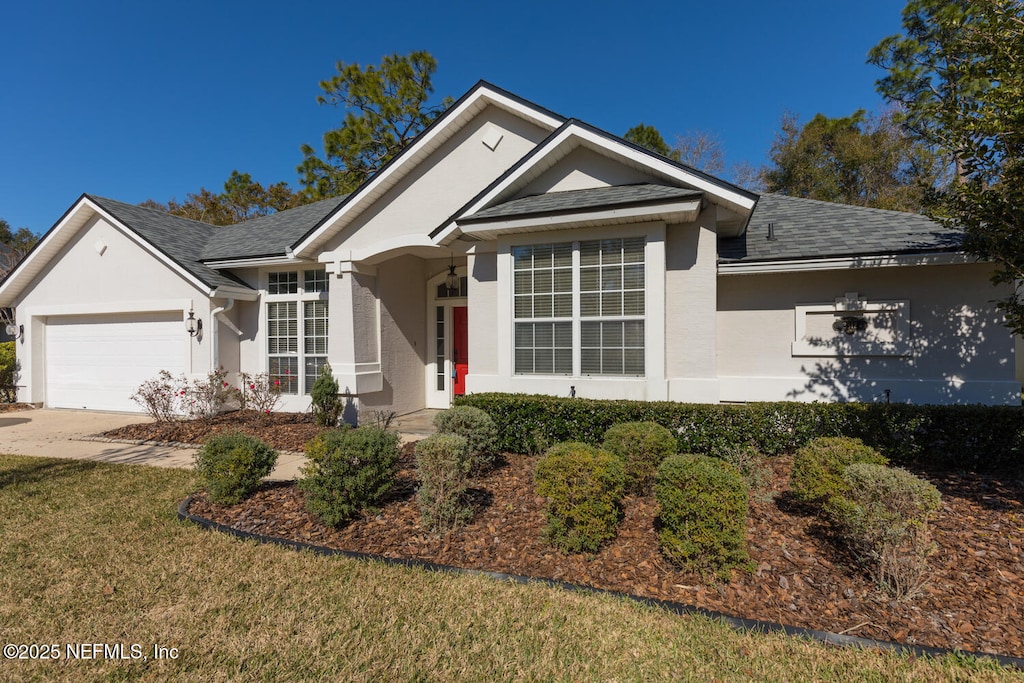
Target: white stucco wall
<point>691,335</point>
<point>958,351</point>
<point>583,169</point>
<point>441,184</point>
<point>103,271</point>
<point>401,288</point>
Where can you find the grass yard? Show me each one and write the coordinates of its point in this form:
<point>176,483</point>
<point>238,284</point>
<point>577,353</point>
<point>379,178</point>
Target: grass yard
<point>93,553</point>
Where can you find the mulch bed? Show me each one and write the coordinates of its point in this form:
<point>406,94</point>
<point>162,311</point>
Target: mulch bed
<point>974,600</point>
<point>283,431</point>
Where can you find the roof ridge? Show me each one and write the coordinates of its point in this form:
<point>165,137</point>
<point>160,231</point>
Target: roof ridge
<point>140,207</point>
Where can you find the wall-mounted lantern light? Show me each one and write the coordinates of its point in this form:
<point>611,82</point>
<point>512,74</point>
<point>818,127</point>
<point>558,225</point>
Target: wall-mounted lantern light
<point>192,324</point>
<point>16,331</point>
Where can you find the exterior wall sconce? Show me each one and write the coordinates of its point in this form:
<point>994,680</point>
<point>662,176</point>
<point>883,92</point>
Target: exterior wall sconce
<point>193,325</point>
<point>850,324</point>
<point>16,331</point>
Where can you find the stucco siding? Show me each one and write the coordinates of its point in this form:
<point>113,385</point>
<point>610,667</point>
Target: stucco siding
<point>959,353</point>
<point>400,284</point>
<point>483,316</point>
<point>103,271</point>
<point>583,169</point>
<point>442,184</point>
<point>690,305</point>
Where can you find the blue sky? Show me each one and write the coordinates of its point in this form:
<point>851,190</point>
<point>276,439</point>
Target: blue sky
<point>136,100</point>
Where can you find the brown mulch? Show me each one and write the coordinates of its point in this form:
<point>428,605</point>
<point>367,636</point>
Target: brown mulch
<point>283,431</point>
<point>15,407</point>
<point>974,599</point>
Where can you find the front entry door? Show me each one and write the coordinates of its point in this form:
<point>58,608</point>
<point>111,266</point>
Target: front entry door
<point>460,349</point>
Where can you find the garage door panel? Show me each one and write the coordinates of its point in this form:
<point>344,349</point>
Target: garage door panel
<point>97,362</point>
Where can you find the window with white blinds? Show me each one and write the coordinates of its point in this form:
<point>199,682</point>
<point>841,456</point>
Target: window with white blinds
<point>296,329</point>
<point>591,291</point>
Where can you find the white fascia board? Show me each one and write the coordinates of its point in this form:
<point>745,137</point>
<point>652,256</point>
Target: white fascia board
<point>593,139</point>
<point>881,261</point>
<point>255,262</point>
<point>235,293</point>
<point>681,211</point>
<point>383,180</point>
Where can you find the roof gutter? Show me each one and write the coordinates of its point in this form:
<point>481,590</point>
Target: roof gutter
<point>845,263</point>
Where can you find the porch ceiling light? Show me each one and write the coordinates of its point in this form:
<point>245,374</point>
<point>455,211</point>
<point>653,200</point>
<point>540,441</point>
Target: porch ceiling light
<point>192,324</point>
<point>452,281</point>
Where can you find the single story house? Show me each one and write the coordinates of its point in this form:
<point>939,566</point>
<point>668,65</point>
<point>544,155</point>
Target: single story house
<point>508,248</point>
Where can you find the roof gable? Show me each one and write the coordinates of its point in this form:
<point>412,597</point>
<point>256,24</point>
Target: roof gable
<point>574,134</point>
<point>481,96</point>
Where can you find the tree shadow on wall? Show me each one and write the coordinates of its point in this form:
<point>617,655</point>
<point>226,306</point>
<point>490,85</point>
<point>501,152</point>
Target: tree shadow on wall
<point>962,355</point>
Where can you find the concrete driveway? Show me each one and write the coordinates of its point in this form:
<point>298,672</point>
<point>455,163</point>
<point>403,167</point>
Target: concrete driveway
<point>65,434</point>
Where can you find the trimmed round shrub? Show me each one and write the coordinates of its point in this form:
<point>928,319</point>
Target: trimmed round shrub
<point>349,470</point>
<point>703,514</point>
<point>642,447</point>
<point>476,427</point>
<point>883,517</point>
<point>232,466</point>
<point>583,486</point>
<point>443,464</point>
<point>818,467</point>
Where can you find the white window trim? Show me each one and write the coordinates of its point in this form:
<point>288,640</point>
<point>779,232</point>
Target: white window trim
<point>300,297</point>
<point>435,398</point>
<point>842,346</point>
<point>654,305</point>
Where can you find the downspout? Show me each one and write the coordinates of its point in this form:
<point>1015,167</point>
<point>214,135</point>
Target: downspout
<point>214,336</point>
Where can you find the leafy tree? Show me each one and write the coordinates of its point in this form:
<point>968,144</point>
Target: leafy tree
<point>14,244</point>
<point>649,138</point>
<point>385,108</point>
<point>959,70</point>
<point>931,71</point>
<point>242,199</point>
<point>858,159</point>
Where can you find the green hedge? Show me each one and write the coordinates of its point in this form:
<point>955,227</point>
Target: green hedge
<point>973,437</point>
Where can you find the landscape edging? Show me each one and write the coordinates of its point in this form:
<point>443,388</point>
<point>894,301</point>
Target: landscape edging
<point>736,623</point>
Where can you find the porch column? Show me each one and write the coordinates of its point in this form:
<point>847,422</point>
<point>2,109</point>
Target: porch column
<point>354,328</point>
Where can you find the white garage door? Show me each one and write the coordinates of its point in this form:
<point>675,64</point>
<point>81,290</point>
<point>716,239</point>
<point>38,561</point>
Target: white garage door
<point>97,362</point>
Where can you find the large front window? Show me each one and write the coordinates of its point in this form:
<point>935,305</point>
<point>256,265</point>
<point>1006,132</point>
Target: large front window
<point>296,329</point>
<point>579,308</point>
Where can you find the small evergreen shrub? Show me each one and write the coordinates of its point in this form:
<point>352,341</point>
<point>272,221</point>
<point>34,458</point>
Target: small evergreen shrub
<point>443,464</point>
<point>703,514</point>
<point>818,467</point>
<point>8,372</point>
<point>349,470</point>
<point>232,466</point>
<point>327,404</point>
<point>883,517</point>
<point>748,461</point>
<point>642,447</point>
<point>583,487</point>
<point>476,427</point>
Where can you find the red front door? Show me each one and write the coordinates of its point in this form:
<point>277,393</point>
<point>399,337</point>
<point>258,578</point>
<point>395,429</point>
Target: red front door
<point>460,348</point>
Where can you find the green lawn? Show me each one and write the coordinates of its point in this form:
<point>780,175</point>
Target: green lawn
<point>93,553</point>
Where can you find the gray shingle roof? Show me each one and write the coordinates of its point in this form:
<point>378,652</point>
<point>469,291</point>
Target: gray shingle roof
<point>181,239</point>
<point>807,228</point>
<point>575,200</point>
<point>268,235</point>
